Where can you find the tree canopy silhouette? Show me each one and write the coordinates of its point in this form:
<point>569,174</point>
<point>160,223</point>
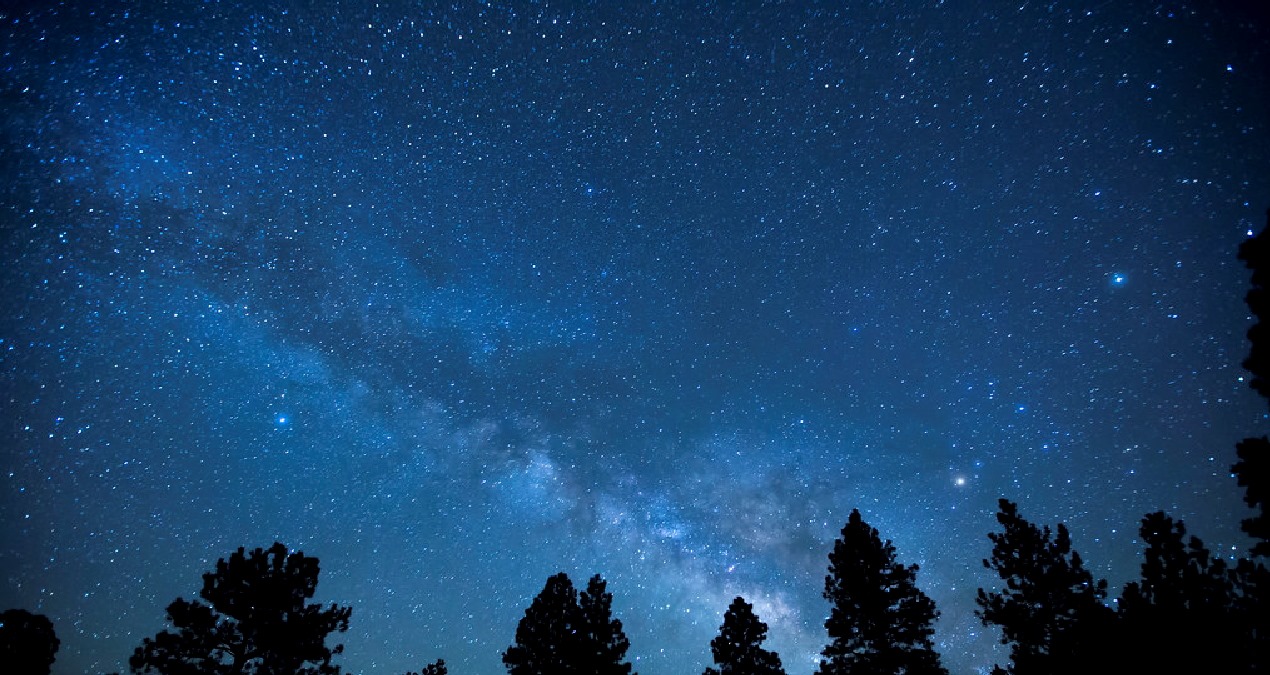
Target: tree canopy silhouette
<point>435,668</point>
<point>562,634</point>
<point>1252,472</point>
<point>256,620</point>
<point>738,649</point>
<point>544,635</point>
<point>28,643</point>
<point>1186,599</point>
<point>604,642</point>
<point>1253,468</point>
<point>879,621</point>
<point>1050,611</point>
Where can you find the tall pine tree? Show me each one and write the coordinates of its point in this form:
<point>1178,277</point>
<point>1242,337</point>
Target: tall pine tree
<point>1253,468</point>
<point>879,621</point>
<point>738,649</point>
<point>1050,611</point>
<point>560,635</point>
<point>604,643</point>
<point>546,637</point>
<point>1252,471</point>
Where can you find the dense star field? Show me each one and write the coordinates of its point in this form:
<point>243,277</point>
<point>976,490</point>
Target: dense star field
<point>455,296</point>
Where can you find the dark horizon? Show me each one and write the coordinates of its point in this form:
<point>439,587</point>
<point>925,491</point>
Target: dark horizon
<point>454,299</point>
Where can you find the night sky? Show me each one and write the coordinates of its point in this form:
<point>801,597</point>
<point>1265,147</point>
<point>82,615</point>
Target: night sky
<point>455,296</point>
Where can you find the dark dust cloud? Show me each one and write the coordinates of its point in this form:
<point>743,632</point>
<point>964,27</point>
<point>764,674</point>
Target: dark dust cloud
<point>454,296</point>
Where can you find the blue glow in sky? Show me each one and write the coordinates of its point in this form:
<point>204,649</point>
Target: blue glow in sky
<point>658,291</point>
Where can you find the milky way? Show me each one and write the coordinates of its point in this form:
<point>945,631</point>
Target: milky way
<point>457,297</point>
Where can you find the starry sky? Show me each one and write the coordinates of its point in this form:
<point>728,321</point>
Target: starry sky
<point>454,296</point>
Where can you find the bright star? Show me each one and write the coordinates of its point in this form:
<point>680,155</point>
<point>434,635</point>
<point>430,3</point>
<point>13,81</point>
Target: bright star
<point>1118,278</point>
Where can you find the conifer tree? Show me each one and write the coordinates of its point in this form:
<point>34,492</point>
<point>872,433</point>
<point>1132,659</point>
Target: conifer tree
<point>604,642</point>
<point>1186,599</point>
<point>1050,611</point>
<point>256,620</point>
<point>546,638</point>
<point>738,649</point>
<point>1253,469</point>
<point>561,636</point>
<point>879,621</point>
<point>1252,473</point>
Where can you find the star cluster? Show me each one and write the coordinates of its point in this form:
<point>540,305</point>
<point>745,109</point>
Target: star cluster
<point>456,296</point>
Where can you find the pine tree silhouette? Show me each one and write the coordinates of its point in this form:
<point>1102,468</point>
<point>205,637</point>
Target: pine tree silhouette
<point>879,621</point>
<point>1253,468</point>
<point>738,649</point>
<point>560,636</point>
<point>546,636</point>
<point>256,621</point>
<point>1252,473</point>
<point>1050,611</point>
<point>1186,599</point>
<point>604,644</point>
